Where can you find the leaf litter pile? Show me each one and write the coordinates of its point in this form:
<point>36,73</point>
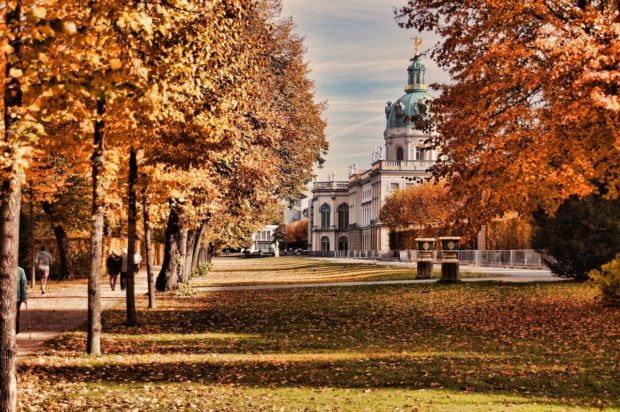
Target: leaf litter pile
<point>483,346</point>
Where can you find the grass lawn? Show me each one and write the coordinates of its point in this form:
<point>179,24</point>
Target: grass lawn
<point>482,346</point>
<point>291,270</point>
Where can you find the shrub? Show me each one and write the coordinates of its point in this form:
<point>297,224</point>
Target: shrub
<point>186,290</point>
<point>203,269</point>
<point>608,281</point>
<point>583,235</point>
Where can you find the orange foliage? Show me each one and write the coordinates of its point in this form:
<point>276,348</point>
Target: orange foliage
<point>427,208</point>
<point>533,113</point>
<point>510,233</point>
<point>297,232</point>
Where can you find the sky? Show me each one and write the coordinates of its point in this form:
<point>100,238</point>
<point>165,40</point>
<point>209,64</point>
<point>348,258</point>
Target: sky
<point>358,57</point>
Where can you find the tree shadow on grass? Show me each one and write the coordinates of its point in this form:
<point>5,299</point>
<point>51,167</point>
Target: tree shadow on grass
<point>486,339</point>
<point>459,374</point>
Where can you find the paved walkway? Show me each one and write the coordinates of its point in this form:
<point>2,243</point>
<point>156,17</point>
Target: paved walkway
<point>64,310</point>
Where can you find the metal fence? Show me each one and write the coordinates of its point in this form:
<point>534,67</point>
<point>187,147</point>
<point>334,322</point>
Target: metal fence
<point>497,258</point>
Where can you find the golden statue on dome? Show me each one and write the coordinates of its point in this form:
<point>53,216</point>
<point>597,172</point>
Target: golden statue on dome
<point>417,42</point>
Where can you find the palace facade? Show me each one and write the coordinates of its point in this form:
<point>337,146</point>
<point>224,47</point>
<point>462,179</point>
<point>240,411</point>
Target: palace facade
<point>344,215</point>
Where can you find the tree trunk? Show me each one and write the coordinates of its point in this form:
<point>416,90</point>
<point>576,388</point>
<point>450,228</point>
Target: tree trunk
<point>189,253</point>
<point>147,244</point>
<point>93,343</point>
<point>168,277</point>
<point>33,252</point>
<point>182,256</point>
<point>197,244</point>
<point>66,266</point>
<point>62,242</point>
<point>132,316</point>
<point>9,243</point>
<point>210,252</point>
<point>205,255</point>
<point>10,203</point>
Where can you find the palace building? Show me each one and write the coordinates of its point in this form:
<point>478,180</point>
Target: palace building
<point>344,215</point>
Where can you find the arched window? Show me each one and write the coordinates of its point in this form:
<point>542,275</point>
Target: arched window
<point>325,244</point>
<point>343,216</point>
<point>400,154</point>
<point>343,243</point>
<point>325,216</point>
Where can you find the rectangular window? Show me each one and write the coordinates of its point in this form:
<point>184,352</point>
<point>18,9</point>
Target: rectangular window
<point>393,186</point>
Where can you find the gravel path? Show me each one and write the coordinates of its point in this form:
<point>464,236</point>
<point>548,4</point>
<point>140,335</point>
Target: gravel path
<point>64,310</point>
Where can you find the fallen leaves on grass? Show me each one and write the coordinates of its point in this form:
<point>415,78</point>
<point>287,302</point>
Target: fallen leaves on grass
<point>479,346</point>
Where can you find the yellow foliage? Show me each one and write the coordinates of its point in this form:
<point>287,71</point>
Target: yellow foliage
<point>532,114</point>
<point>608,281</point>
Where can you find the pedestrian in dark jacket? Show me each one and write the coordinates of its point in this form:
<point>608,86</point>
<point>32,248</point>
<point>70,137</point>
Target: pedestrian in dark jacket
<point>113,264</point>
<point>22,294</point>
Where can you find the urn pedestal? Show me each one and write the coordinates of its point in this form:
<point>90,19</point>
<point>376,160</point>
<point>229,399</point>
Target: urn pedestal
<point>425,257</point>
<point>450,259</point>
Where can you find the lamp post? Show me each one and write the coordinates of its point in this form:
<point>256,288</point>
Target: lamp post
<point>450,259</point>
<point>425,257</point>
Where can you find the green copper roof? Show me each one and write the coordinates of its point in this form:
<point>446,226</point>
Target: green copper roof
<point>402,112</point>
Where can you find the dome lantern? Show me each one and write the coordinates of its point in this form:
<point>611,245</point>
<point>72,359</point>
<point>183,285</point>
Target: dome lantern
<point>416,70</point>
<point>416,81</point>
<point>403,112</point>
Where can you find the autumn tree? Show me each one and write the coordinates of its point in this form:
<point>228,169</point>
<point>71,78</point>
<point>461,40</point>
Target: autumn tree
<point>24,36</point>
<point>59,187</point>
<point>27,37</point>
<point>297,234</point>
<point>426,208</point>
<point>532,114</point>
<point>155,61</point>
<point>10,199</point>
<point>250,162</point>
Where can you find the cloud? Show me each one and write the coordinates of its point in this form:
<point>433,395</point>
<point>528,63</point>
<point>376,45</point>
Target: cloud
<point>355,127</point>
<point>358,57</point>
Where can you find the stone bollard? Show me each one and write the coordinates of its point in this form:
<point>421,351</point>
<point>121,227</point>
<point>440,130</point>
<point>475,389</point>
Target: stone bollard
<point>425,257</point>
<point>450,259</point>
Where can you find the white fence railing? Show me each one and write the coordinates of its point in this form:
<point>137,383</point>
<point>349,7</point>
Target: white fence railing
<point>498,258</point>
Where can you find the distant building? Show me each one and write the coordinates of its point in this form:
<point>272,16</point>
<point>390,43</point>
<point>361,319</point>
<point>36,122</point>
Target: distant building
<point>263,239</point>
<point>293,213</point>
<point>344,215</point>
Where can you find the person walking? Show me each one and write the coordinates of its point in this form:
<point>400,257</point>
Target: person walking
<point>124,269</point>
<point>137,259</point>
<point>113,264</point>
<point>22,294</point>
<point>42,263</point>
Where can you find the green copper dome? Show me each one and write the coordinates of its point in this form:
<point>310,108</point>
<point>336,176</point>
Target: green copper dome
<point>402,112</point>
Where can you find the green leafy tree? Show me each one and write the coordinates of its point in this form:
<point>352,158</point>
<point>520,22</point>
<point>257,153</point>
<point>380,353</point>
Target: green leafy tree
<point>583,235</point>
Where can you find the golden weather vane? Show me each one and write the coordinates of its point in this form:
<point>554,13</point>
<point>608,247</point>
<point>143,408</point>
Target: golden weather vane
<point>417,42</point>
